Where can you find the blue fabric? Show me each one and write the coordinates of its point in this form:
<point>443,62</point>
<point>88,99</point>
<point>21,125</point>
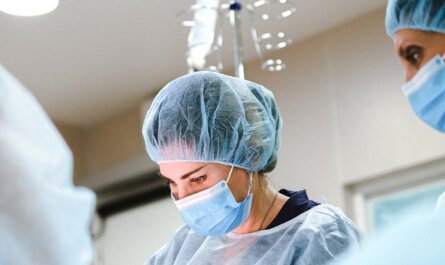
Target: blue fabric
<point>426,93</point>
<point>427,15</point>
<point>441,202</point>
<point>297,204</point>
<point>315,237</point>
<point>210,117</point>
<point>215,211</point>
<point>412,241</point>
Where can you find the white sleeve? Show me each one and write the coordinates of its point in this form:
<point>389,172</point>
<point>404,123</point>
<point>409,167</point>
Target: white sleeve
<point>44,219</point>
<point>329,241</point>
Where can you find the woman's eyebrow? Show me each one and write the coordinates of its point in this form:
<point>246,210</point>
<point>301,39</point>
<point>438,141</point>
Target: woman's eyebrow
<point>401,51</point>
<point>187,174</point>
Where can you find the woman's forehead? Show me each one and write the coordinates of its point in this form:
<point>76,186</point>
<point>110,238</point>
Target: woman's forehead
<point>434,42</point>
<point>410,35</point>
<point>178,169</point>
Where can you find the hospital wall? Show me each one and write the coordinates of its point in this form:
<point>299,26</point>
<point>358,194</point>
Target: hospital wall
<point>105,144</point>
<point>345,120</point>
<point>114,141</point>
<point>345,116</point>
<point>75,136</point>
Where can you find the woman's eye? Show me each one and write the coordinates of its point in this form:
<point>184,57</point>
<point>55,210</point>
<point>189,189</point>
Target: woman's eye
<point>199,179</point>
<point>413,55</point>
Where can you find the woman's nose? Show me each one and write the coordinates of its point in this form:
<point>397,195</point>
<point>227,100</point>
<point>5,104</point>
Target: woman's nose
<point>183,191</point>
<point>409,74</point>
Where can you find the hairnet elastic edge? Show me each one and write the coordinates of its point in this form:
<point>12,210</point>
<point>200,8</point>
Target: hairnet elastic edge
<point>204,161</point>
<point>392,32</point>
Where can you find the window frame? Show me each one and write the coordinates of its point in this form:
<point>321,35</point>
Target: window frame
<point>358,193</point>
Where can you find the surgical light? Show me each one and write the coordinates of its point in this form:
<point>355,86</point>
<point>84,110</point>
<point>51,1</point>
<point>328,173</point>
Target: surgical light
<point>28,7</point>
<point>205,39</point>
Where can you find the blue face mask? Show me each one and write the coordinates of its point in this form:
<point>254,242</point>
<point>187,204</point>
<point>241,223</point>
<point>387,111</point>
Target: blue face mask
<point>426,93</point>
<point>215,211</point>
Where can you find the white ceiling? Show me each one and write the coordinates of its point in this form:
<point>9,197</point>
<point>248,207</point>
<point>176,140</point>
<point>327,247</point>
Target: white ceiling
<point>90,60</point>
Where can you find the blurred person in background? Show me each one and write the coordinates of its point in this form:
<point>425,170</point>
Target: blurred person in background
<point>418,30</point>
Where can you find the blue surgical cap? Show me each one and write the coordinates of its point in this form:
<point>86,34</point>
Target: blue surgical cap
<point>427,15</point>
<point>211,117</point>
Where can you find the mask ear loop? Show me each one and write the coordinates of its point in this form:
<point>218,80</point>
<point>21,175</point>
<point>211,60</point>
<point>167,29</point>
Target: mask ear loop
<point>230,174</point>
<point>250,182</point>
<point>250,179</point>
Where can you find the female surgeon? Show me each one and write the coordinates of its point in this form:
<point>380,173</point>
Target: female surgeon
<point>418,30</point>
<point>214,138</point>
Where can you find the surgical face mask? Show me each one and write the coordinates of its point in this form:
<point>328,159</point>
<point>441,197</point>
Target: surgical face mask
<point>426,93</point>
<point>215,211</point>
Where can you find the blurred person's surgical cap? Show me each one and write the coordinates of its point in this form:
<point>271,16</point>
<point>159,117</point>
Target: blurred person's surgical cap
<point>426,15</point>
<point>211,117</point>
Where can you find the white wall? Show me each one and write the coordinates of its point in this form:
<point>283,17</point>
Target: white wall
<point>131,237</point>
<point>345,119</point>
<point>378,130</point>
<point>304,94</point>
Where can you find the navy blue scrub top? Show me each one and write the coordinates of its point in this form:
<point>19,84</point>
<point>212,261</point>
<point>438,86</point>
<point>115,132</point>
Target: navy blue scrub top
<point>297,204</point>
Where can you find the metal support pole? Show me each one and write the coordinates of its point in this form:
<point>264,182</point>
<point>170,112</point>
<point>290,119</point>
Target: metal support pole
<point>235,22</point>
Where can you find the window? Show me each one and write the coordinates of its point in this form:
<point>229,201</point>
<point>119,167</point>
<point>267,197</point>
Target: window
<point>380,200</point>
<point>385,209</point>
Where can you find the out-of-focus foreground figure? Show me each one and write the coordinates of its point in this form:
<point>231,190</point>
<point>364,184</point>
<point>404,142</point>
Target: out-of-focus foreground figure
<point>44,219</point>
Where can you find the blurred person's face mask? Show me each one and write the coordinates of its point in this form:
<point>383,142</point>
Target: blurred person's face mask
<point>426,93</point>
<point>215,211</point>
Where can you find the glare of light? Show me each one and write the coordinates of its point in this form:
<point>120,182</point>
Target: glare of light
<point>283,1</point>
<point>28,7</point>
<point>212,68</point>
<point>265,17</point>
<point>188,23</point>
<point>273,65</point>
<point>259,3</point>
<point>268,46</point>
<point>280,35</point>
<point>281,45</point>
<point>266,36</point>
<point>286,13</point>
